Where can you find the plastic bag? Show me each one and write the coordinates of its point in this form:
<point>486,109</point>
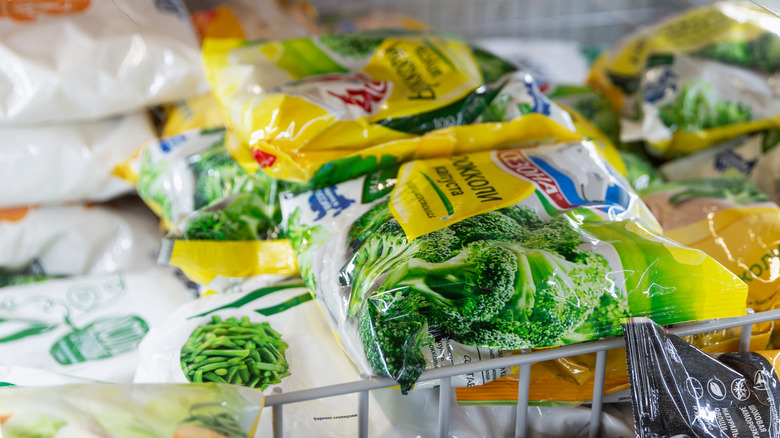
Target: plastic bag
<point>227,245</point>
<point>102,58</point>
<point>78,239</point>
<point>180,174</point>
<point>412,267</point>
<point>296,341</point>
<point>125,411</point>
<point>88,327</point>
<point>78,160</point>
<point>730,220</point>
<point>678,389</point>
<point>549,61</point>
<point>370,89</point>
<point>696,79</point>
<point>755,156</point>
<point>237,19</point>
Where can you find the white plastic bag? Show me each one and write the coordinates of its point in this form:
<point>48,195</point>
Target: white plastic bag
<point>65,61</point>
<point>78,239</point>
<point>87,327</point>
<point>56,163</point>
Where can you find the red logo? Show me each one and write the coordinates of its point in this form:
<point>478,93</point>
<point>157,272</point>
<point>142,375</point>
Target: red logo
<point>263,159</point>
<point>372,91</point>
<point>515,161</point>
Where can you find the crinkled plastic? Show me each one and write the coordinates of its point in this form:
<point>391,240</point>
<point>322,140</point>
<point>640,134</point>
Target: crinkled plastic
<point>677,389</point>
<point>224,245</point>
<point>86,326</point>
<point>482,253</point>
<point>90,59</point>
<point>126,411</point>
<point>730,220</point>
<point>352,92</point>
<point>77,160</point>
<point>696,79</point>
<point>297,340</point>
<point>182,173</point>
<point>11,375</point>
<point>78,239</point>
<point>755,156</point>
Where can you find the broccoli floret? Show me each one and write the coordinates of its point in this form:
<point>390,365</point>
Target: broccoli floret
<point>730,52</point>
<point>766,50</point>
<point>558,234</point>
<point>474,285</point>
<point>493,225</point>
<point>367,224</point>
<point>698,107</point>
<point>243,218</point>
<point>356,45</point>
<point>604,320</point>
<point>386,250</point>
<point>393,331</point>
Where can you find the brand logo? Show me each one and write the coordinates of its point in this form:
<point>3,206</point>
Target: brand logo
<point>328,199</point>
<point>517,162</point>
<point>169,143</point>
<point>264,159</point>
<point>541,104</point>
<point>367,94</point>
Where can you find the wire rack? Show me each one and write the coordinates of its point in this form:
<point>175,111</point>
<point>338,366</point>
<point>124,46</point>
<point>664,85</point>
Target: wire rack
<point>596,22</point>
<point>444,375</point>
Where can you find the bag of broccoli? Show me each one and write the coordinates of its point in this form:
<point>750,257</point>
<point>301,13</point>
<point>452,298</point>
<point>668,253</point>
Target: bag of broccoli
<point>348,93</point>
<point>90,59</point>
<point>755,156</point>
<point>128,411</point>
<point>182,173</point>
<point>697,79</point>
<point>277,339</point>
<point>77,160</point>
<point>232,245</point>
<point>89,326</point>
<point>77,239</point>
<point>445,260</point>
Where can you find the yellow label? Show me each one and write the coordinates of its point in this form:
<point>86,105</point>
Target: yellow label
<point>433,194</point>
<point>688,32</point>
<point>745,240</point>
<point>433,72</point>
<point>204,260</point>
<point>202,112</point>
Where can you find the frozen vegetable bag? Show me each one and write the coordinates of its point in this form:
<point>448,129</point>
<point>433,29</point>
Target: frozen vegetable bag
<point>129,411</point>
<point>450,259</point>
<point>696,79</point>
<point>302,109</point>
<point>88,326</point>
<point>271,338</point>
<point>77,160</point>
<point>89,59</point>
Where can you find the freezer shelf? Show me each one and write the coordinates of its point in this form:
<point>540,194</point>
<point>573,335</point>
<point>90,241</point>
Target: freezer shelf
<point>277,400</point>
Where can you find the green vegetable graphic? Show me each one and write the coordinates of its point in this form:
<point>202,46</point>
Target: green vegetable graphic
<point>761,53</point>
<point>106,337</point>
<point>503,279</point>
<point>735,189</point>
<point>236,219</point>
<point>236,352</point>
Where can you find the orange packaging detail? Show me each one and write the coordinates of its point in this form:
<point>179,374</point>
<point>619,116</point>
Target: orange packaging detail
<point>13,214</point>
<point>26,10</point>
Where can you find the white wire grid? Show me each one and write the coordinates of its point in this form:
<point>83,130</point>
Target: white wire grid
<point>596,22</point>
<point>443,375</point>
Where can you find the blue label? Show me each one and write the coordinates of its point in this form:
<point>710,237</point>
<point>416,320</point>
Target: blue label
<point>328,199</point>
<point>169,143</point>
<point>731,160</point>
<point>541,104</point>
<point>656,90</point>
